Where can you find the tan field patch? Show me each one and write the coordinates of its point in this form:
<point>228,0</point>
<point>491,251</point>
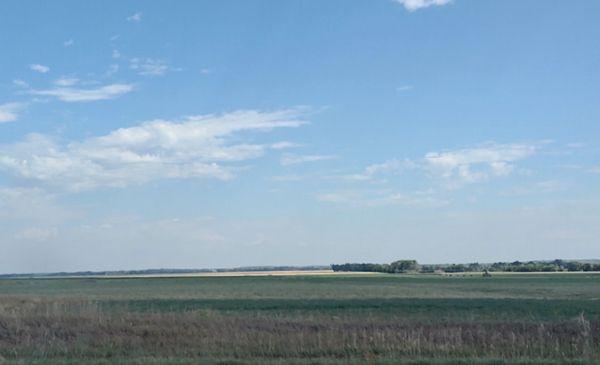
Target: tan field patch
<point>227,274</point>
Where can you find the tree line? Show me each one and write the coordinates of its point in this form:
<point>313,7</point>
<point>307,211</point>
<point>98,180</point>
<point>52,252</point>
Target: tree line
<point>400,266</point>
<point>406,266</point>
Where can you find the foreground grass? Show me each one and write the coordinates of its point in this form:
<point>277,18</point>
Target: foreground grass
<point>324,361</point>
<point>383,319</point>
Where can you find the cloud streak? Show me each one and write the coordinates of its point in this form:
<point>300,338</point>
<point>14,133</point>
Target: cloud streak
<point>194,147</point>
<point>413,5</point>
<point>66,81</point>
<point>388,167</point>
<point>149,66</point>
<point>448,170</point>
<point>288,160</point>
<point>39,68</point>
<point>135,18</point>
<point>378,198</point>
<point>9,112</point>
<point>70,94</point>
<point>477,164</point>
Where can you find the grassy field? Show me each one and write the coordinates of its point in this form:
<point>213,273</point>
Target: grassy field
<point>329,319</point>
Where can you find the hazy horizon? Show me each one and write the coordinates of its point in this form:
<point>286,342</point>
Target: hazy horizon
<point>144,135</point>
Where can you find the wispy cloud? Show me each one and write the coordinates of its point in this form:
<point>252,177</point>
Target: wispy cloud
<point>9,112</point>
<point>595,170</point>
<point>288,160</point>
<point>412,5</point>
<point>149,66</point>
<point>39,68</point>
<point>377,198</point>
<point>547,186</point>
<point>576,145</point>
<point>135,17</point>
<point>436,174</point>
<point>116,53</point>
<point>387,167</point>
<point>205,71</point>
<point>477,164</point>
<point>112,69</point>
<point>68,43</point>
<point>337,197</point>
<point>33,205</point>
<point>196,147</point>
<point>69,94</point>
<point>286,178</point>
<point>66,81</point>
<point>20,83</point>
<point>404,88</point>
<point>284,145</point>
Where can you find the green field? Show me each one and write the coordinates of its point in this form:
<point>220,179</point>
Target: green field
<point>375,319</point>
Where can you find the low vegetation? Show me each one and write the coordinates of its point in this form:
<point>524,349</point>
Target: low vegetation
<point>381,319</point>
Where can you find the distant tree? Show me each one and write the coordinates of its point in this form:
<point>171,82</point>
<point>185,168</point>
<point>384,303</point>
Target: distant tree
<point>455,268</point>
<point>402,266</point>
<point>573,266</point>
<point>427,269</point>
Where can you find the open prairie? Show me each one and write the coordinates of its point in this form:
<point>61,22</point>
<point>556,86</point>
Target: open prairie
<point>302,319</point>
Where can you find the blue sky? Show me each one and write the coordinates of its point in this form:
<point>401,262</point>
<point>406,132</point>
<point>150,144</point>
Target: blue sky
<point>228,133</point>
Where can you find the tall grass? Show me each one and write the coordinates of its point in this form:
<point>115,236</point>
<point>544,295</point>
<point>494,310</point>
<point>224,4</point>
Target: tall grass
<point>46,329</point>
<point>525,320</point>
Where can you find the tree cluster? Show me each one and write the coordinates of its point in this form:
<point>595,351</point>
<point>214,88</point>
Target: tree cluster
<point>400,266</point>
<point>404,266</point>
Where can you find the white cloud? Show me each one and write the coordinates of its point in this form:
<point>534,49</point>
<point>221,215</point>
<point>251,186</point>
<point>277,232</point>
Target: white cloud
<point>9,112</point>
<point>412,5</point>
<point>69,94</point>
<point>39,68</point>
<point>391,166</point>
<point>452,169</point>
<point>294,160</point>
<point>20,83</point>
<point>66,81</point>
<point>136,17</point>
<point>195,147</point>
<point>205,71</point>
<point>68,43</point>
<point>477,164</point>
<point>284,145</point>
<point>287,178</point>
<point>337,197</point>
<point>148,66</point>
<point>116,53</point>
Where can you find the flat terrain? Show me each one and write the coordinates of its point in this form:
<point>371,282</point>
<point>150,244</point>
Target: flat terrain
<point>302,319</point>
<point>210,274</point>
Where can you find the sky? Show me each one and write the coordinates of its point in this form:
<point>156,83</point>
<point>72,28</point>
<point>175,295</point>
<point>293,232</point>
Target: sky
<point>210,134</point>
